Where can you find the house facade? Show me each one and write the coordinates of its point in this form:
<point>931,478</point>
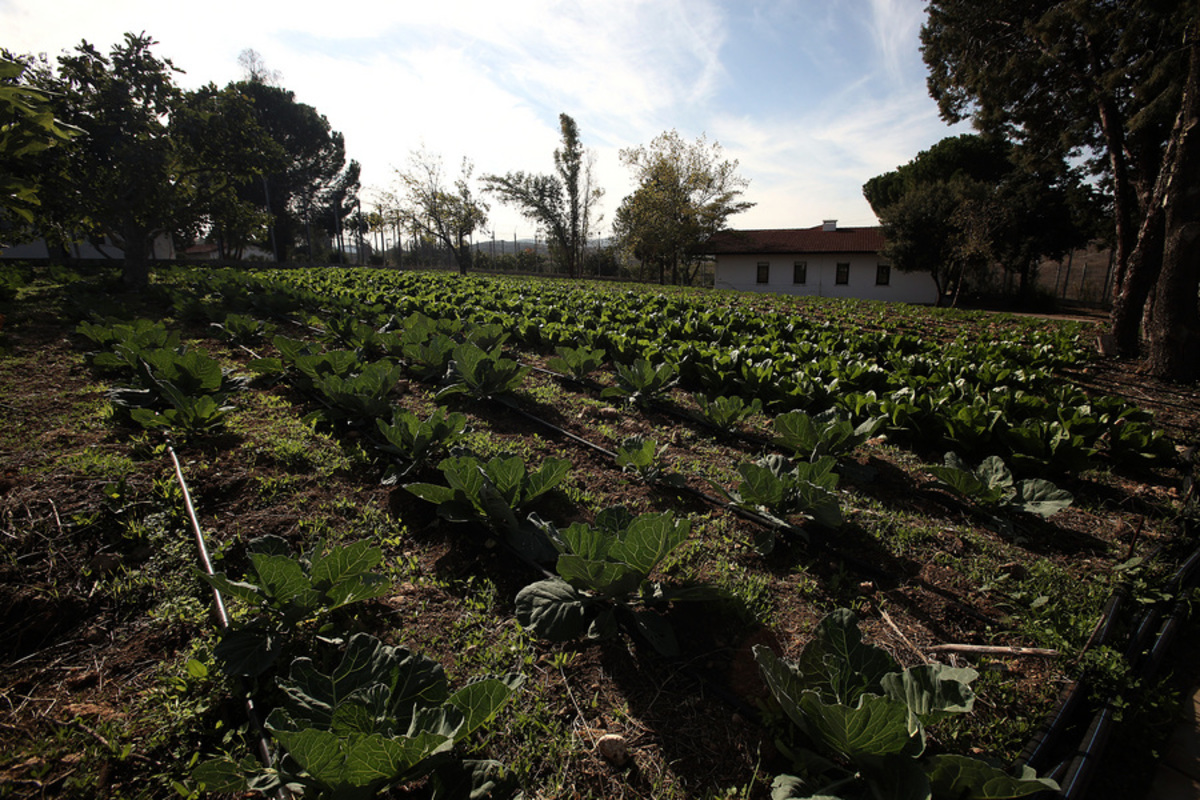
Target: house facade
<point>825,260</point>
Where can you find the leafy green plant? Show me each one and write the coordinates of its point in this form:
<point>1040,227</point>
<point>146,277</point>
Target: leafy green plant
<point>643,457</point>
<point>578,362</point>
<point>991,484</point>
<point>1138,442</point>
<point>1038,444</point>
<point>825,434</point>
<point>383,716</point>
<point>603,580</point>
<point>188,414</point>
<point>362,397</point>
<point>482,374</point>
<point>353,334</point>
<point>778,488</point>
<point>136,337</point>
<point>642,381</point>
<point>175,387</point>
<point>726,412</point>
<point>418,441</point>
<point>485,337</point>
<point>242,329</point>
<point>286,591</point>
<point>859,724</point>
<point>429,359</point>
<point>494,493</point>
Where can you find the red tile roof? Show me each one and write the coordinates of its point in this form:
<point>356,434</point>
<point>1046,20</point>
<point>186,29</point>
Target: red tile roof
<point>797,240</point>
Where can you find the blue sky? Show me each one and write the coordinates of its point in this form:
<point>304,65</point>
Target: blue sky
<point>811,98</point>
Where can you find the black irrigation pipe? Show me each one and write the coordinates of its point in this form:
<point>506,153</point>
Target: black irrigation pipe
<point>1039,749</point>
<point>744,513</point>
<point>262,744</point>
<point>668,408</point>
<point>1076,773</point>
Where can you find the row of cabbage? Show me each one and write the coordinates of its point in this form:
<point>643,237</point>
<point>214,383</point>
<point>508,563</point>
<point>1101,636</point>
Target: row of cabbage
<point>972,393</point>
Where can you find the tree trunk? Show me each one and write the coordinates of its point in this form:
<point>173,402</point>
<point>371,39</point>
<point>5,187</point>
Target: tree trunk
<point>1133,285</point>
<point>1131,281</point>
<point>135,274</point>
<point>1174,330</point>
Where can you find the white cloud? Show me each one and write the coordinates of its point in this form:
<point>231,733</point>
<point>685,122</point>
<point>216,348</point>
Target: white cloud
<point>487,80</point>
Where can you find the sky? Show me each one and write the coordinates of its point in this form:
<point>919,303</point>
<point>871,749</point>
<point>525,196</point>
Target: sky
<point>812,99</point>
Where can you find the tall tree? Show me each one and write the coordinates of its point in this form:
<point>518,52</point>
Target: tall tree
<point>969,202</point>
<point>224,149</point>
<point>124,171</point>
<point>296,195</point>
<point>431,209</point>
<point>686,192</point>
<point>563,204</point>
<point>931,228</point>
<point>1102,79</point>
<point>1174,327</point>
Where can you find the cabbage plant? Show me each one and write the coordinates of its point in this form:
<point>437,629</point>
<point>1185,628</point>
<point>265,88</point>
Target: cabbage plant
<point>857,724</point>
<point>604,580</point>
<point>383,716</point>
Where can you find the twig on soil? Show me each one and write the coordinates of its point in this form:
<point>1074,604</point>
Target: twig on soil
<point>99,737</point>
<point>994,650</point>
<point>57,519</point>
<point>903,638</point>
<point>582,719</point>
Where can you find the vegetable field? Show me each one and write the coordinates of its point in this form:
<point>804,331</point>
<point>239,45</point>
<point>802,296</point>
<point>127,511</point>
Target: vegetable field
<point>473,535</point>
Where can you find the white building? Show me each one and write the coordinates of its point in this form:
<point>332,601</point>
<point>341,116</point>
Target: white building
<point>824,260</point>
<point>162,249</point>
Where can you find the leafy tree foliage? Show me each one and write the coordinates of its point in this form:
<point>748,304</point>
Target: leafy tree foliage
<point>315,185</point>
<point>563,204</point>
<point>430,209</point>
<point>967,203</point>
<point>686,192</point>
<point>225,149</point>
<point>27,128</point>
<point>1105,80</point>
<point>123,172</point>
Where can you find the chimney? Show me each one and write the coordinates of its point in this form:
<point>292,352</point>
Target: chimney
<point>829,225</point>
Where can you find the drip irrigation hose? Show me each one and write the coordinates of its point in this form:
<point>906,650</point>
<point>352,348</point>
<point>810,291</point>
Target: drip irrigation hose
<point>262,745</point>
<point>667,408</point>
<point>1083,767</point>
<point>1039,749</point>
<point>744,513</point>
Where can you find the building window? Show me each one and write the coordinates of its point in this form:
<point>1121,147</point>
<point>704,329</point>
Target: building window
<point>764,272</point>
<point>883,275</point>
<point>843,274</point>
<point>800,273</point>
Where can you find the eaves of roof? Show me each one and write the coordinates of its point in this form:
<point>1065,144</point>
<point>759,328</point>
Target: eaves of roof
<point>796,240</point>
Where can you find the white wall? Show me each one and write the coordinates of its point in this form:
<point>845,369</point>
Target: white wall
<point>163,249</point>
<point>741,271</point>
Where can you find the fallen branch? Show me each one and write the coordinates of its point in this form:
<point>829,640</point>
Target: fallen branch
<point>993,650</point>
<point>903,638</point>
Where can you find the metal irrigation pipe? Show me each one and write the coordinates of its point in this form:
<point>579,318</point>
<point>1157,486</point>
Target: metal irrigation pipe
<point>264,746</point>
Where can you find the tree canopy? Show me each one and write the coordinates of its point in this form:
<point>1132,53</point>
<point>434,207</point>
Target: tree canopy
<point>122,174</point>
<point>225,148</point>
<point>429,208</point>
<point>27,128</point>
<point>969,202</point>
<point>563,204</point>
<point>313,185</point>
<point>686,192</point>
